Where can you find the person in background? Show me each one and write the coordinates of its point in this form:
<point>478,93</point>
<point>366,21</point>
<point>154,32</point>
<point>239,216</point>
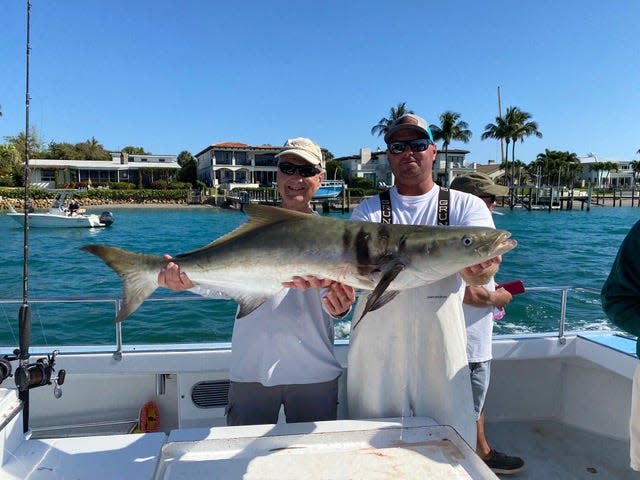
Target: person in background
<point>73,206</point>
<point>479,304</point>
<point>282,353</point>
<point>621,302</point>
<point>408,357</point>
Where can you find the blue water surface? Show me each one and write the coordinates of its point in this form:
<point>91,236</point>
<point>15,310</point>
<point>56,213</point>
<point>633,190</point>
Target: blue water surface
<point>572,248</point>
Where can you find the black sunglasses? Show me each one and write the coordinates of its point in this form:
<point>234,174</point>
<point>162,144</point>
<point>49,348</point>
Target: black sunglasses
<point>415,146</point>
<point>491,198</point>
<point>304,170</point>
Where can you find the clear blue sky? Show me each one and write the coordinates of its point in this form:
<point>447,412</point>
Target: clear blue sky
<point>181,75</point>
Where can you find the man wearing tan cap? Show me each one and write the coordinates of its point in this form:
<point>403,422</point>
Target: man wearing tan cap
<point>408,357</point>
<point>282,352</point>
<point>480,303</point>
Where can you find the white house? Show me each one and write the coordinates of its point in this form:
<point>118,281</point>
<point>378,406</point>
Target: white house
<point>622,177</point>
<point>49,173</point>
<point>234,162</point>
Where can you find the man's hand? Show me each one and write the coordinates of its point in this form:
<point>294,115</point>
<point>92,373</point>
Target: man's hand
<point>338,299</point>
<point>171,277</point>
<point>481,273</point>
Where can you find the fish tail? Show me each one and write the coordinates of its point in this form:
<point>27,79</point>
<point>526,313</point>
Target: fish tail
<point>139,273</point>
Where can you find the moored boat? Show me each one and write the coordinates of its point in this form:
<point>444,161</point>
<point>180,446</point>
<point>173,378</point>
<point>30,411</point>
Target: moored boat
<point>329,189</point>
<point>60,215</point>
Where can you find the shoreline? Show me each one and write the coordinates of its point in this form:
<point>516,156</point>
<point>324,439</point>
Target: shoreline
<point>156,204</point>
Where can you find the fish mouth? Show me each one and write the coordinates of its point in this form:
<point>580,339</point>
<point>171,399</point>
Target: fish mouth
<point>497,246</point>
<point>502,244</point>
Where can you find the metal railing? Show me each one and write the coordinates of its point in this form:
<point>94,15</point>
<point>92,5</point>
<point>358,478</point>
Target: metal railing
<point>117,302</point>
<point>564,291</point>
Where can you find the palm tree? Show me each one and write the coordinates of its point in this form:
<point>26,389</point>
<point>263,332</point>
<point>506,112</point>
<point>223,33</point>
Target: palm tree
<point>450,128</point>
<point>521,127</point>
<point>384,123</point>
<point>514,126</point>
<point>610,167</point>
<point>499,131</point>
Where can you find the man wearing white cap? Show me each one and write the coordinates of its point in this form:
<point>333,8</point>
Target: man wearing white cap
<point>408,358</point>
<point>282,352</point>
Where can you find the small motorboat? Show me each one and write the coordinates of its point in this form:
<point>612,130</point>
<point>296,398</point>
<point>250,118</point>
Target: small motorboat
<point>329,189</point>
<point>60,215</point>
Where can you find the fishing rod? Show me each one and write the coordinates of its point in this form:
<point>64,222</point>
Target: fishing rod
<point>28,375</point>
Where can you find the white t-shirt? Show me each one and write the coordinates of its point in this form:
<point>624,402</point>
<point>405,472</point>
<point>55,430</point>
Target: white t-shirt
<point>408,358</point>
<point>479,322</point>
<point>287,340</point>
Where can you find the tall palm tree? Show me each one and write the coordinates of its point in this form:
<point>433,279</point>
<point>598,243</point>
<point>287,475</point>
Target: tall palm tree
<point>384,123</point>
<point>450,128</point>
<point>513,126</point>
<point>521,127</point>
<point>610,167</point>
<point>500,130</point>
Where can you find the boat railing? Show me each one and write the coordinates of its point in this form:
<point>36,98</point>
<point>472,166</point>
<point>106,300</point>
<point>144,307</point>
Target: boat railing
<point>564,295</point>
<point>564,291</point>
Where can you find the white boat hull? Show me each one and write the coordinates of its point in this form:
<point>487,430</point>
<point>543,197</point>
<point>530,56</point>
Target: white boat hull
<point>49,220</point>
<point>548,391</point>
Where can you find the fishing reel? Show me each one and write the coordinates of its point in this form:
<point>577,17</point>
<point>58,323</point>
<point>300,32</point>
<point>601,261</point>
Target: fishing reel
<point>33,375</point>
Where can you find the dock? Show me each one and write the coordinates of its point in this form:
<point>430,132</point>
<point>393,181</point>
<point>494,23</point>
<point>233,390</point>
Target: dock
<point>560,198</point>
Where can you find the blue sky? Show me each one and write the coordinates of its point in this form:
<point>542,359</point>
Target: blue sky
<point>181,75</point>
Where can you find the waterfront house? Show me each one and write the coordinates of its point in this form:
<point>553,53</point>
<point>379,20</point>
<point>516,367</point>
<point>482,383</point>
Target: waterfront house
<point>135,169</point>
<point>593,172</point>
<point>229,163</point>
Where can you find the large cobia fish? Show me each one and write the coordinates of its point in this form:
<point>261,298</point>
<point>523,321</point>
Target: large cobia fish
<point>250,263</point>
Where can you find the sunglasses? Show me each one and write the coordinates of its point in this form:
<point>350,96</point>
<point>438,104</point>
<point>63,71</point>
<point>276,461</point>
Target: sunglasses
<point>491,198</point>
<point>304,170</point>
<point>415,146</point>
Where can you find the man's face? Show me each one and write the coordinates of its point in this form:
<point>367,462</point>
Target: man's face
<point>489,200</point>
<point>409,167</point>
<point>295,190</point>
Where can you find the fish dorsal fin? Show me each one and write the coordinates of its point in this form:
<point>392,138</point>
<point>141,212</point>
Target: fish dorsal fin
<point>259,216</point>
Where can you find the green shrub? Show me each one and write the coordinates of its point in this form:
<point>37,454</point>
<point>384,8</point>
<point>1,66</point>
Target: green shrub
<point>180,186</point>
<point>121,186</point>
<point>160,185</point>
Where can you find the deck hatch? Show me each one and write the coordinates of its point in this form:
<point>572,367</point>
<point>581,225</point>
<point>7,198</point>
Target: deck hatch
<point>210,394</point>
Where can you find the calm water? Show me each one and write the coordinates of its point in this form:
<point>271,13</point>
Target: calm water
<point>559,248</point>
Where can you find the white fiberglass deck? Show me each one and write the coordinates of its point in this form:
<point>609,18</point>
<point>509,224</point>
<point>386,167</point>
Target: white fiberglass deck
<point>349,449</point>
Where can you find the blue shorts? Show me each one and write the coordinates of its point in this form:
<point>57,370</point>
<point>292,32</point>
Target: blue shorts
<point>480,375</point>
<point>254,404</point>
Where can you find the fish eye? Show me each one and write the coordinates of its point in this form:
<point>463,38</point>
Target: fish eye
<point>467,241</point>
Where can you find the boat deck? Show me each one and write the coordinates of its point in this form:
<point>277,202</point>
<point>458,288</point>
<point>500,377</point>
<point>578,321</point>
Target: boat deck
<point>552,450</point>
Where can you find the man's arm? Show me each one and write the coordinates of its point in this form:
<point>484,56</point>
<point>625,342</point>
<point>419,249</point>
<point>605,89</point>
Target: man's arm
<point>478,296</point>
<point>621,290</point>
<point>482,273</point>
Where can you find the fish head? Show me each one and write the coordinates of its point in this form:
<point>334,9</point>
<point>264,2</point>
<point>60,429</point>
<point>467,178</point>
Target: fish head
<point>448,250</point>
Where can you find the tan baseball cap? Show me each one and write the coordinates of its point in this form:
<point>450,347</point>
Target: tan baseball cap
<point>408,122</point>
<point>478,184</point>
<point>303,148</point>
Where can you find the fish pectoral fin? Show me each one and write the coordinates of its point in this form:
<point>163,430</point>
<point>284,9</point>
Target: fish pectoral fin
<point>248,304</point>
<point>380,296</point>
